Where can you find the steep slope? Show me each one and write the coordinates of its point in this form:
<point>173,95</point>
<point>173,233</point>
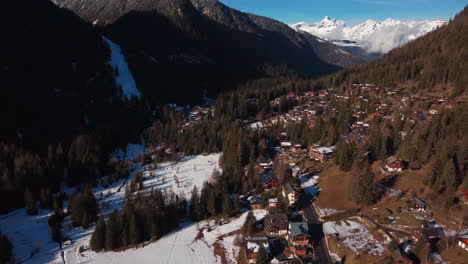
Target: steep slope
<point>55,76</point>
<point>436,62</point>
<point>199,44</point>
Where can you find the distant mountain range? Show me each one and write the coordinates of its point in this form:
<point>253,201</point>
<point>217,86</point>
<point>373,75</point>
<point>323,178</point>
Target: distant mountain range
<point>372,36</point>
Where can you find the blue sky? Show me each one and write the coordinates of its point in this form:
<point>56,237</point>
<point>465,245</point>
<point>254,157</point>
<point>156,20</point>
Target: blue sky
<point>351,11</point>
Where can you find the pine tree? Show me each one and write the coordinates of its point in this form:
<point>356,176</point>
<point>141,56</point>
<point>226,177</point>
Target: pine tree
<point>227,207</point>
<point>134,230</point>
<point>85,220</point>
<point>112,231</point>
<point>369,194</point>
<point>125,229</point>
<point>211,203</point>
<point>98,239</point>
<point>237,204</point>
<point>195,209</point>
<point>262,256</point>
<point>450,176</point>
<point>249,224</point>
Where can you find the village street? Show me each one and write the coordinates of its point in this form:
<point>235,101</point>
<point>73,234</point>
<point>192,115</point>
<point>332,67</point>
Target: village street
<point>321,254</point>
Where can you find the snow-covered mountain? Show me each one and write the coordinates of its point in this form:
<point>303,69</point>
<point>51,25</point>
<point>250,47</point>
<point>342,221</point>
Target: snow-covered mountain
<point>372,36</point>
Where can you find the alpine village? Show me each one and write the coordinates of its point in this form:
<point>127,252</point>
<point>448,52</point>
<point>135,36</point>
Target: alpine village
<point>186,131</point>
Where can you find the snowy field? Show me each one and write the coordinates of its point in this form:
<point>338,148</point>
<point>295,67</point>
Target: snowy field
<point>181,246</point>
<point>355,236</point>
<point>31,235</point>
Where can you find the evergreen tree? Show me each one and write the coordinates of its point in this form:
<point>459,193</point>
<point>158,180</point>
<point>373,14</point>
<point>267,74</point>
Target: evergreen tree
<point>227,207</point>
<point>450,176</point>
<point>125,229</point>
<point>249,225</point>
<point>262,256</point>
<point>98,239</point>
<point>85,220</point>
<point>134,230</point>
<point>112,231</point>
<point>195,210</point>
<point>237,204</point>
<point>369,194</point>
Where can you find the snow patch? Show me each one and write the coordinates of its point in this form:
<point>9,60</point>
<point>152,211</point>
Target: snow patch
<point>124,77</point>
<point>355,236</point>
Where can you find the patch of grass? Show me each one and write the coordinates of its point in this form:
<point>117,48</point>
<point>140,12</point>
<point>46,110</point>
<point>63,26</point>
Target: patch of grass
<point>335,184</point>
<point>455,255</point>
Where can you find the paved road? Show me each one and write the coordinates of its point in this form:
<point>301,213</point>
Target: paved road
<point>315,226</point>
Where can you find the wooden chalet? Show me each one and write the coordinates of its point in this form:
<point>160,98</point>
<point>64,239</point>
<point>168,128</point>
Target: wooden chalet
<point>253,245</point>
<point>416,205</point>
<point>321,154</point>
<point>393,164</point>
<point>298,237</point>
<point>462,241</point>
<point>276,224</point>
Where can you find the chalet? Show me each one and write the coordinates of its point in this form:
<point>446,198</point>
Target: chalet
<point>321,154</point>
<point>464,197</point>
<point>400,257</point>
<point>416,205</point>
<point>272,202</point>
<point>463,241</point>
<point>253,245</point>
<point>276,224</point>
<point>254,202</point>
<point>393,164</point>
<point>270,183</point>
<point>298,236</point>
<point>291,194</point>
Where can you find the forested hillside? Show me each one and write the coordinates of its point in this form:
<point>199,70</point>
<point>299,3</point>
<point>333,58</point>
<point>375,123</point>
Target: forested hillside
<point>178,48</point>
<point>60,106</point>
<point>435,62</point>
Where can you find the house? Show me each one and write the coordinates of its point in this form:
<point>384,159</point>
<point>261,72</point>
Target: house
<point>291,194</point>
<point>393,164</point>
<point>253,245</point>
<point>272,202</point>
<point>298,236</point>
<point>272,183</point>
<point>416,205</point>
<point>464,197</point>
<point>463,241</point>
<point>276,224</point>
<point>321,153</point>
<point>400,257</point>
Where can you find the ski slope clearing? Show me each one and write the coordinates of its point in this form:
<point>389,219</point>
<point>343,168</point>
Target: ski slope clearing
<point>355,236</point>
<point>124,77</point>
<point>182,176</point>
